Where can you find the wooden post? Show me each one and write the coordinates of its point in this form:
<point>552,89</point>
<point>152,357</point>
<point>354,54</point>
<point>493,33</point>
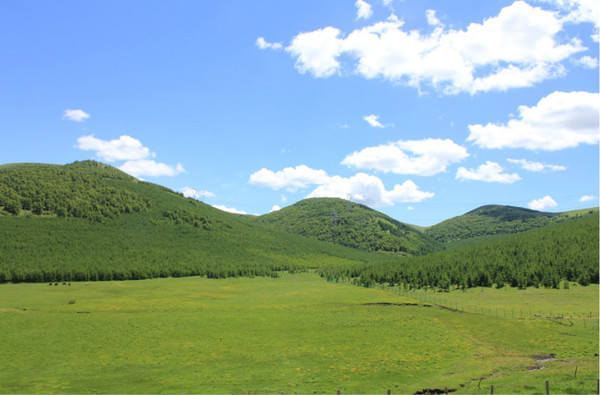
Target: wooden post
<point>338,392</point>
<point>389,392</point>
<point>446,391</point>
<point>492,389</point>
<point>575,375</point>
<point>547,387</point>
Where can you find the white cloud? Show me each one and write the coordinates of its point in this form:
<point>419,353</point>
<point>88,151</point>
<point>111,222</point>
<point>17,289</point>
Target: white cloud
<point>369,190</point>
<point>230,210</point>
<point>275,208</point>
<point>316,51</point>
<point>488,172</point>
<point>289,178</point>
<point>586,62</point>
<point>542,204</point>
<point>123,148</point>
<point>519,47</point>
<point>362,188</point>
<point>421,157</point>
<point>195,194</point>
<point>432,20</point>
<point>581,11</point>
<point>150,168</point>
<point>263,44</point>
<point>75,115</point>
<point>560,120</point>
<point>131,150</point>
<point>373,120</point>
<point>587,198</point>
<point>363,9</point>
<point>536,166</point>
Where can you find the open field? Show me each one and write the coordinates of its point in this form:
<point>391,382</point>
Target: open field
<point>292,334</point>
<point>575,304</point>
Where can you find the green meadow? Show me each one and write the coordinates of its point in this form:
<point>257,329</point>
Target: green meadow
<point>293,334</point>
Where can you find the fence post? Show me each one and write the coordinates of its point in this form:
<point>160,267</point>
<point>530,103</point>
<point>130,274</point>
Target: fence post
<point>446,391</point>
<point>389,392</point>
<point>492,389</point>
<point>338,392</point>
<point>547,388</point>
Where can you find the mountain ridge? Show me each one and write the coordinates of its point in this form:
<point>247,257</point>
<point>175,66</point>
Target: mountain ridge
<point>99,192</point>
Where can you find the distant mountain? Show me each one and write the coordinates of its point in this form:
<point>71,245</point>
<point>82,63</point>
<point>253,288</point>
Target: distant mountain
<point>493,220</point>
<point>350,224</point>
<point>90,221</point>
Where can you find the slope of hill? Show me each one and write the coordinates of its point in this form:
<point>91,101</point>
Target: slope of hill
<point>90,221</point>
<point>494,220</point>
<point>539,257</point>
<point>349,224</point>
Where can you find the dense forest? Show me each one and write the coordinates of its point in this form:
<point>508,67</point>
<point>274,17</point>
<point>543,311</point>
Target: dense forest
<point>493,220</point>
<point>541,257</point>
<point>77,190</point>
<point>115,227</point>
<point>350,224</point>
<point>89,221</point>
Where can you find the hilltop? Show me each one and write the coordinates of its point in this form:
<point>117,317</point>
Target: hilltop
<point>494,220</point>
<point>350,224</point>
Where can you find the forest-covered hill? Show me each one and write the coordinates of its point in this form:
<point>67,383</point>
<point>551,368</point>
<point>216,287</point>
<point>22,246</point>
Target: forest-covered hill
<point>492,220</point>
<point>90,221</point>
<point>350,224</point>
<point>539,257</point>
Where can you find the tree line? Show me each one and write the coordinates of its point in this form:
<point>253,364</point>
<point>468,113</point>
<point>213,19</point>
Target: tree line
<point>542,258</point>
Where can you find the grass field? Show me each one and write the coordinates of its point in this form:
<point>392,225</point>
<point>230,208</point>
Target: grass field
<point>293,334</point>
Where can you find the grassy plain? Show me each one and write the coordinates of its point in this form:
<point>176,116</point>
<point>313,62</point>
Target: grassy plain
<point>296,333</point>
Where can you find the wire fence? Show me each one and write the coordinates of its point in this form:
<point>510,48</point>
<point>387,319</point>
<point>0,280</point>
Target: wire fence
<point>558,315</point>
<point>543,388</point>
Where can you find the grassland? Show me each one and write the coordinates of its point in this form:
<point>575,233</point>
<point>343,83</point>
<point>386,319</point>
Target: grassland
<point>297,333</point>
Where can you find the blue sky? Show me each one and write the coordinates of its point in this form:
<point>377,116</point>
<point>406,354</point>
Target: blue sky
<point>423,110</point>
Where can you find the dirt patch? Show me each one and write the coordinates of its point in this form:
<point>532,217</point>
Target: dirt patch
<point>434,391</point>
<point>536,367</point>
<point>541,358</point>
<point>11,310</point>
<point>449,309</point>
<point>395,304</point>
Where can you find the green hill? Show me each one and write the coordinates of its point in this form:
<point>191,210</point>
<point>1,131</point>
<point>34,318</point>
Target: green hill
<point>493,220</point>
<point>349,224</point>
<point>90,221</point>
<point>538,257</point>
